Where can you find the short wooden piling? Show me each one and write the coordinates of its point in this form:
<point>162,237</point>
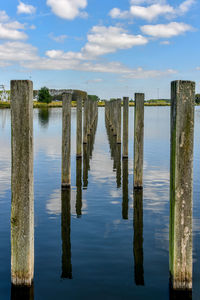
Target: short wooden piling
<point>22,206</point>
<point>79,127</point>
<point>66,140</point>
<point>181,185</point>
<point>125,126</point>
<point>138,140</point>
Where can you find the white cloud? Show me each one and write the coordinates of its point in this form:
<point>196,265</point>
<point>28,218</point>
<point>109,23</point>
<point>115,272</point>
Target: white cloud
<point>116,13</point>
<point>7,32</point>
<point>104,40</point>
<point>198,68</point>
<point>68,9</point>
<point>10,30</point>
<point>154,9</point>
<point>166,30</point>
<point>185,6</point>
<point>3,16</point>
<point>23,8</point>
<point>151,12</point>
<point>17,51</point>
<point>59,38</point>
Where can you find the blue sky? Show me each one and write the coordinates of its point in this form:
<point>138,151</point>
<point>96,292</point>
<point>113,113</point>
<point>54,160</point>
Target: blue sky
<point>112,48</point>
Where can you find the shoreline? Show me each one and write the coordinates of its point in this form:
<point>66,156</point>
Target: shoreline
<point>73,104</point>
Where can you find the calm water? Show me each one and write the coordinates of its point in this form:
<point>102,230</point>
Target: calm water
<point>102,245</point>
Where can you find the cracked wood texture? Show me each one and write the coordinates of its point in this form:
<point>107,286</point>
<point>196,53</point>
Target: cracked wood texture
<point>181,185</point>
<point>138,140</point>
<point>66,140</point>
<point>22,206</point>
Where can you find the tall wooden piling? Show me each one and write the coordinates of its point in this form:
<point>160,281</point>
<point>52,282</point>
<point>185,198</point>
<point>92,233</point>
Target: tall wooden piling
<point>181,185</point>
<point>85,121</point>
<point>138,140</point>
<point>66,140</point>
<point>125,126</point>
<point>118,121</point>
<point>79,127</point>
<point>22,206</point>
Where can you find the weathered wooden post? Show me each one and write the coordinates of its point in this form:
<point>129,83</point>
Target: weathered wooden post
<point>125,190</point>
<point>85,121</point>
<point>119,121</point>
<point>66,233</point>
<point>66,140</point>
<point>79,127</point>
<point>125,126</point>
<point>138,237</point>
<point>22,207</point>
<point>138,140</point>
<point>181,185</point>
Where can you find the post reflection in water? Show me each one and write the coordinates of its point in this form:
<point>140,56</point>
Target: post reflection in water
<point>85,165</point>
<point>22,293</point>
<point>66,233</point>
<point>179,295</point>
<point>118,164</point>
<point>115,150</point>
<point>125,190</point>
<point>43,116</point>
<point>138,237</point>
<point>78,187</point>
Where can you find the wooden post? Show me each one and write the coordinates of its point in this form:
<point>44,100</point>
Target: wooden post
<point>181,185</point>
<point>79,127</point>
<point>66,140</point>
<point>85,121</point>
<point>125,126</point>
<point>22,207</point>
<point>138,140</point>
<point>119,121</point>
<point>66,234</point>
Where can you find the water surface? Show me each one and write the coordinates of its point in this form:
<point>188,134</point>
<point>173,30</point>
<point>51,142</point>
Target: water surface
<point>100,240</point>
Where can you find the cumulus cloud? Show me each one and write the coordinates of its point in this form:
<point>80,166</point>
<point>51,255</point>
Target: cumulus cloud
<point>68,9</point>
<point>151,9</point>
<point>10,30</point>
<point>116,13</point>
<point>3,16</point>
<point>17,51</point>
<point>23,8</point>
<point>166,30</point>
<point>102,40</point>
<point>185,6</point>
<point>151,12</point>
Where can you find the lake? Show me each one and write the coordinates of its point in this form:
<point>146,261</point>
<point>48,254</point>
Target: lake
<point>102,241</point>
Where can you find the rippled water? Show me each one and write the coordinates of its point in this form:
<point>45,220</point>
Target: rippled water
<point>100,244</point>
